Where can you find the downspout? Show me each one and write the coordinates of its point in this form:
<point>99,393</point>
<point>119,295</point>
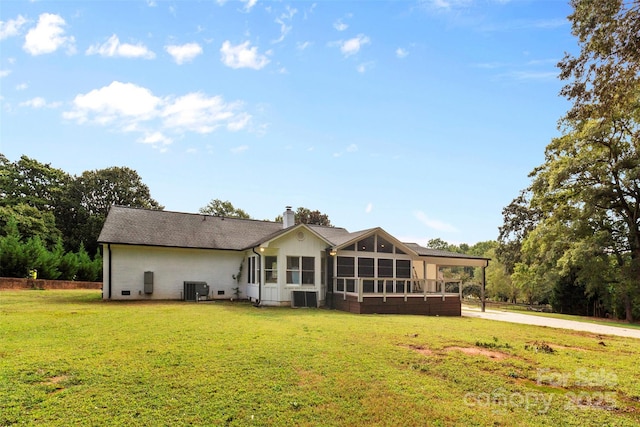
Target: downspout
<point>257,304</point>
<point>109,269</point>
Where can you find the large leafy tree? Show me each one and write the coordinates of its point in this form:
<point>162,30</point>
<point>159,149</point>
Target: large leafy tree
<point>31,222</point>
<point>306,216</point>
<point>32,183</point>
<point>225,208</point>
<point>89,197</point>
<point>587,191</point>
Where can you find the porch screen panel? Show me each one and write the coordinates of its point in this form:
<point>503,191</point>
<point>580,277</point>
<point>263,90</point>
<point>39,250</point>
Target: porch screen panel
<point>403,270</point>
<point>346,266</point>
<point>385,269</point>
<point>366,269</point>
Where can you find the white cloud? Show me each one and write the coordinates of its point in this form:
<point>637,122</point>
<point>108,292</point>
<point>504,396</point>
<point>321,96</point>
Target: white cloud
<point>350,149</point>
<point>282,21</point>
<point>248,4</point>
<point>369,208</point>
<point>238,122</point>
<point>48,36</point>
<point>130,108</point>
<point>240,149</point>
<point>303,45</point>
<point>362,68</point>
<point>434,223</point>
<point>352,46</point>
<point>450,4</point>
<point>118,101</point>
<point>242,56</point>
<point>339,25</point>
<point>439,4</point>
<point>184,53</point>
<point>36,102</point>
<point>197,113</point>
<point>401,53</point>
<point>156,140</point>
<point>39,102</point>
<point>4,73</point>
<point>532,75</point>
<point>11,27</point>
<point>22,86</point>
<point>113,48</point>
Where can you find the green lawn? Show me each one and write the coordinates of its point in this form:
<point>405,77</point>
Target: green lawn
<point>67,358</point>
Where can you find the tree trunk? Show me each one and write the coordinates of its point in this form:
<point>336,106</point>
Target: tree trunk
<point>628,309</point>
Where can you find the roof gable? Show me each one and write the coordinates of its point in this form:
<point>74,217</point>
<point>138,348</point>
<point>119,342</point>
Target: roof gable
<point>359,235</point>
<point>295,228</point>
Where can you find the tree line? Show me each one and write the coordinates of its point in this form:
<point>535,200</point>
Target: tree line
<point>50,220</point>
<point>572,237</point>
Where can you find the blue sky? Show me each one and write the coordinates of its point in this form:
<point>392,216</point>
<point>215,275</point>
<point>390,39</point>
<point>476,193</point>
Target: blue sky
<point>420,117</point>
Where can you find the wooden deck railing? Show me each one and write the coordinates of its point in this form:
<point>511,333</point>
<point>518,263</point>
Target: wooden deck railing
<point>394,287</point>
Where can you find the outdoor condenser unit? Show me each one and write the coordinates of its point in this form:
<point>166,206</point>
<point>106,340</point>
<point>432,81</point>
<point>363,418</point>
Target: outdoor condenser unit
<point>304,299</point>
<point>148,282</point>
<point>195,290</point>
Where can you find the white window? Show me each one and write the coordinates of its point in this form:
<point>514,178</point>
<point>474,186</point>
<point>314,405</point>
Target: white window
<point>301,270</point>
<point>253,269</point>
<point>271,269</point>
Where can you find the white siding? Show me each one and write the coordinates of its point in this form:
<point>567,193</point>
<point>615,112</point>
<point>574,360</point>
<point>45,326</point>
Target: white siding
<point>170,267</point>
<point>299,242</point>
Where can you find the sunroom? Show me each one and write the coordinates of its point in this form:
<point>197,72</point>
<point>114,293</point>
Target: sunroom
<point>375,273</point>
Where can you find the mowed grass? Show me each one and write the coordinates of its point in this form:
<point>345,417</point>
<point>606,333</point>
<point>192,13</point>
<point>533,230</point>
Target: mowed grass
<point>68,358</point>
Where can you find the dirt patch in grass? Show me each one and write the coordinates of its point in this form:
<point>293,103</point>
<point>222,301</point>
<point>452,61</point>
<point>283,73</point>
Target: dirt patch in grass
<point>420,349</point>
<point>474,351</point>
<point>55,380</point>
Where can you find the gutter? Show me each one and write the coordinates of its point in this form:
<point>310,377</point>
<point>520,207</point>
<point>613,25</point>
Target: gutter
<point>257,304</point>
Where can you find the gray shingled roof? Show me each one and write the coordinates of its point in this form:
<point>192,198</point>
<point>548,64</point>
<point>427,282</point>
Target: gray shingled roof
<point>421,250</point>
<point>337,236</point>
<point>133,226</point>
<point>174,229</point>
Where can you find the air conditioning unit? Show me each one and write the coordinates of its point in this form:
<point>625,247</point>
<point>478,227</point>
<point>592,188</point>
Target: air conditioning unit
<point>193,291</point>
<point>304,299</point>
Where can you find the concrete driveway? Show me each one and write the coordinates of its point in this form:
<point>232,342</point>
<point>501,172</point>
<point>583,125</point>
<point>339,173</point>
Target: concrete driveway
<point>527,319</point>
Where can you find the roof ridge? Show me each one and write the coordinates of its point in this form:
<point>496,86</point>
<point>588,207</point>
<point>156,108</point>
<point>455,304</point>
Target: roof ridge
<point>195,214</point>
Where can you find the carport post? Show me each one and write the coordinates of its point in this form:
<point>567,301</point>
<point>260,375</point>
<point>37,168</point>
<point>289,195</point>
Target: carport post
<point>482,296</point>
